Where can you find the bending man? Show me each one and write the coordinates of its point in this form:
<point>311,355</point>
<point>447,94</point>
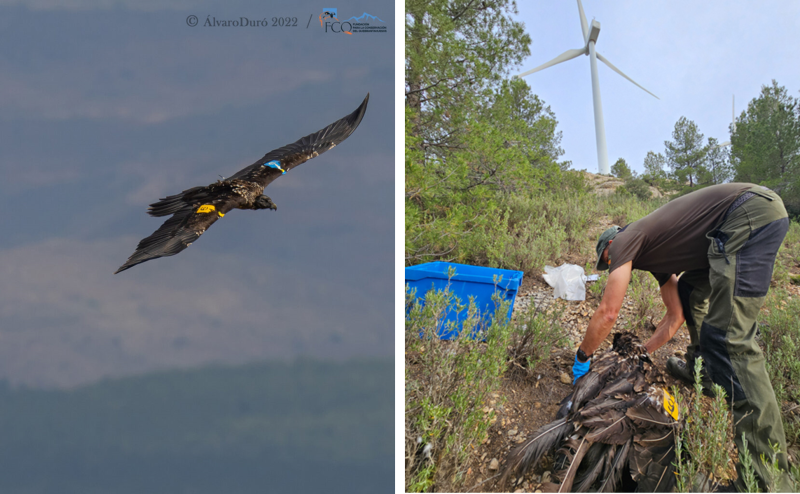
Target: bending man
<point>724,240</point>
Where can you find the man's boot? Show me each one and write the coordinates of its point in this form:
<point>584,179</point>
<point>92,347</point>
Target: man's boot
<point>679,368</point>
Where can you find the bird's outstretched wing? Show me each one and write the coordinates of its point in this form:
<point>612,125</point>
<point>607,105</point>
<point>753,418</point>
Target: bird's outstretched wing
<point>192,213</point>
<point>281,160</point>
<point>196,209</point>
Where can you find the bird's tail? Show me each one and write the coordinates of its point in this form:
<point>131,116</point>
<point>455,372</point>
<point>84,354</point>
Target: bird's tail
<point>529,453</point>
<point>173,204</point>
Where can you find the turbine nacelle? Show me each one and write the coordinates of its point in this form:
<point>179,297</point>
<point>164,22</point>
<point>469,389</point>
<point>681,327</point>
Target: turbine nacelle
<point>594,32</point>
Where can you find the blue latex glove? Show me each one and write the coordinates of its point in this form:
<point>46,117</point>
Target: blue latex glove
<point>580,368</point>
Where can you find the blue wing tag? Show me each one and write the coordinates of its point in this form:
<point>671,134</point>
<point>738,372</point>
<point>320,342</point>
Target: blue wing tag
<point>275,164</point>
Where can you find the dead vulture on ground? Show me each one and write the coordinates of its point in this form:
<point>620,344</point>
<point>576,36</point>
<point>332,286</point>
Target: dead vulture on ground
<point>614,426</point>
<point>196,209</point>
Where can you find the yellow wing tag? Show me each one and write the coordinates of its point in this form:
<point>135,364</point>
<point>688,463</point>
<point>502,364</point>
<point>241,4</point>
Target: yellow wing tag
<point>670,405</point>
<point>206,208</point>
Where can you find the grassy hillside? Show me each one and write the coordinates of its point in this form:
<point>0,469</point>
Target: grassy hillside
<point>300,427</point>
<point>471,402</point>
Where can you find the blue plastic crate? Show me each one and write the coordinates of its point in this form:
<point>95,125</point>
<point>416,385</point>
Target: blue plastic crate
<point>469,281</point>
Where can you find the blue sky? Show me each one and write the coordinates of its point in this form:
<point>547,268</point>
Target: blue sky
<point>106,106</point>
<point>693,55</point>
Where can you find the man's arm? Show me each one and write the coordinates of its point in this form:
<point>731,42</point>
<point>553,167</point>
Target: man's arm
<point>606,314</point>
<point>673,319</point>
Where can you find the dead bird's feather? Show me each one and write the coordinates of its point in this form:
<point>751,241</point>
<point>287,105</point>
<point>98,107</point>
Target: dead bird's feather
<point>592,465</point>
<point>613,427</point>
<point>614,471</point>
<point>545,440</point>
<point>615,416</point>
<point>569,476</point>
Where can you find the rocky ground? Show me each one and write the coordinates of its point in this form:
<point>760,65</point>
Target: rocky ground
<point>525,403</point>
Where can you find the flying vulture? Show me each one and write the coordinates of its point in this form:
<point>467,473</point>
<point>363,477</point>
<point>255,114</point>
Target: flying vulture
<point>196,209</point>
<point>616,425</point>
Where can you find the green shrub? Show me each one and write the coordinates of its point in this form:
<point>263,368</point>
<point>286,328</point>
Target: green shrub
<point>748,470</point>
<point>626,208</point>
<point>534,335</point>
<point>644,294</point>
<point>702,445</point>
<point>780,338</point>
<point>639,188</point>
<point>542,228</point>
<point>447,384</point>
<point>636,187</point>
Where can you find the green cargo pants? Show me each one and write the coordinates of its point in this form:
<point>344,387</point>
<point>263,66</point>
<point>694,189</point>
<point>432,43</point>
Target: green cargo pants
<point>721,305</point>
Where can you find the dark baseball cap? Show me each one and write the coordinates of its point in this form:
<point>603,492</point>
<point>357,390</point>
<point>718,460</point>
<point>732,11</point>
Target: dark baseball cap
<point>605,238</point>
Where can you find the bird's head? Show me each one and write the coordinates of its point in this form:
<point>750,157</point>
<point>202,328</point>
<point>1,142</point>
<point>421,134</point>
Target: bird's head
<point>264,202</point>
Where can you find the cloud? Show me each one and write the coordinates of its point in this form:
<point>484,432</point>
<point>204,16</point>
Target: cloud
<point>120,82</point>
<point>67,320</point>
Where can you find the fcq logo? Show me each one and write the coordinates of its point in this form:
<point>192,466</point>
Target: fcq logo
<point>329,21</point>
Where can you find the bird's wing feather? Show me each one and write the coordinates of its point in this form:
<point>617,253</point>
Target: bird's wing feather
<point>586,388</point>
<point>304,149</point>
<point>531,451</point>
<point>593,462</point>
<point>565,406</point>
<point>622,385</point>
<point>652,468</point>
<point>612,427</point>
<point>569,475</point>
<point>600,406</point>
<point>646,415</point>
<point>185,200</point>
<point>614,472</point>
<point>177,233</point>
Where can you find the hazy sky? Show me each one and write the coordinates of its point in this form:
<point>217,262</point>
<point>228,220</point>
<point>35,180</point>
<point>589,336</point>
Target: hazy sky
<point>693,55</point>
<point>107,106</point>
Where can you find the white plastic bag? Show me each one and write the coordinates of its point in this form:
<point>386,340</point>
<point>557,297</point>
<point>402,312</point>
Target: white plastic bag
<point>568,281</point>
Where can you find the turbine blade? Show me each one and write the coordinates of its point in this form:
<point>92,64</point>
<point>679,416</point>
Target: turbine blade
<point>726,143</point>
<point>584,25</point>
<point>605,61</point>
<point>567,55</point>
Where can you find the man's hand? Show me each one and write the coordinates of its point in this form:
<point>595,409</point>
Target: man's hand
<point>579,369</point>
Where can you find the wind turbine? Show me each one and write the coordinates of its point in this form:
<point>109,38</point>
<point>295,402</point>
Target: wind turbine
<point>590,39</point>
<point>733,122</point>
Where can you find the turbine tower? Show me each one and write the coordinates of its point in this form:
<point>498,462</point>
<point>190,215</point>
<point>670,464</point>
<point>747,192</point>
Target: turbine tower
<point>590,34</point>
<point>733,122</point>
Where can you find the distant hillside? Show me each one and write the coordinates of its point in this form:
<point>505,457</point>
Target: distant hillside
<point>606,184</point>
<point>302,427</point>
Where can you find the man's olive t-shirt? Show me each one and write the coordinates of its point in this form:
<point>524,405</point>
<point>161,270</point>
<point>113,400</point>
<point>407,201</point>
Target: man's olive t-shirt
<point>672,239</point>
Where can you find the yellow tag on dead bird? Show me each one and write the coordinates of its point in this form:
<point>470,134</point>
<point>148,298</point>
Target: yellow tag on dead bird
<point>206,208</point>
<point>670,405</point>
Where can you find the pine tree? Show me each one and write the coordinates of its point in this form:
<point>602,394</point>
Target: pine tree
<point>654,167</point>
<point>621,170</point>
<point>685,153</point>
<point>766,143</point>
